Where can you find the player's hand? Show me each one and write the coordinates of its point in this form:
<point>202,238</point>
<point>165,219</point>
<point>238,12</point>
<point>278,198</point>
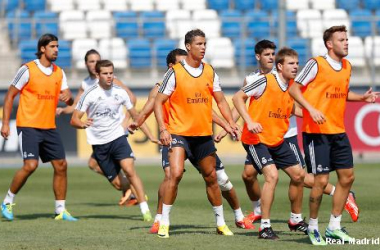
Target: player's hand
<point>220,136</point>
<point>58,111</point>
<point>317,116</point>
<point>5,131</point>
<point>132,127</point>
<point>235,133</point>
<point>255,127</point>
<point>88,123</point>
<point>156,141</point>
<point>64,96</point>
<point>370,96</point>
<point>165,137</point>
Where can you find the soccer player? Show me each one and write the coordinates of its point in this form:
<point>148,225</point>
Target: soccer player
<point>189,87</point>
<point>265,55</point>
<point>322,84</point>
<point>104,132</point>
<point>41,84</point>
<point>91,58</point>
<point>266,122</point>
<point>228,191</point>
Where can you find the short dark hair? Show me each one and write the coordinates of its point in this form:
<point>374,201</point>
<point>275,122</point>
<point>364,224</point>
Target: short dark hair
<point>189,37</point>
<point>171,57</point>
<point>284,52</point>
<point>103,64</point>
<point>43,41</point>
<point>330,31</point>
<point>263,45</point>
<point>90,52</point>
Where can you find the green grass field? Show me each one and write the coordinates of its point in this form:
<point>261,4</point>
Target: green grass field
<point>105,225</point>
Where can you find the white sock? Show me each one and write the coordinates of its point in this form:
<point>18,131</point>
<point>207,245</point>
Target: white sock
<point>295,218</point>
<point>239,216</point>
<point>144,207</point>
<point>9,197</point>
<point>59,206</point>
<point>332,191</point>
<point>313,224</point>
<point>265,223</point>
<point>334,222</point>
<point>257,207</point>
<point>158,217</point>
<point>219,216</point>
<point>165,214</point>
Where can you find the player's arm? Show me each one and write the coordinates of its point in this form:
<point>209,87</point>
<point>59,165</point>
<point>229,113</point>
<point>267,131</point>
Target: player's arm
<point>239,100</point>
<point>76,120</point>
<point>297,110</point>
<point>308,74</point>
<point>65,94</point>
<point>235,117</point>
<point>148,107</point>
<point>165,136</point>
<point>7,109</point>
<point>70,109</point>
<point>231,127</point>
<point>369,96</point>
<point>296,93</point>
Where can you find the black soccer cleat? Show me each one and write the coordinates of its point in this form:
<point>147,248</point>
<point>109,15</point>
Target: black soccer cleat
<point>300,226</point>
<point>267,234</point>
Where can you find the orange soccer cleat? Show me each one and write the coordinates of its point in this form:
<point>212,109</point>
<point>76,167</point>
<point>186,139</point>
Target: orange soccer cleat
<point>254,217</point>
<point>246,223</point>
<point>155,227</point>
<point>351,207</point>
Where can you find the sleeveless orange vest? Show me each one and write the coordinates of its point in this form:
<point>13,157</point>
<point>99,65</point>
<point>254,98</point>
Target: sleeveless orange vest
<point>39,98</point>
<point>190,105</point>
<point>327,93</point>
<point>272,110</point>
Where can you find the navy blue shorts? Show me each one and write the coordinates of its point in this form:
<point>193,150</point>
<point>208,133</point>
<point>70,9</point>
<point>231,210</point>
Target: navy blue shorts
<point>110,154</point>
<point>293,143</point>
<point>261,155</point>
<point>165,160</point>
<point>325,152</point>
<point>40,143</point>
<point>196,147</point>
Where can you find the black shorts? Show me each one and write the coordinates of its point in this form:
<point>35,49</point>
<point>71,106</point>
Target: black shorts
<point>325,152</point>
<point>293,143</point>
<point>110,154</point>
<point>126,136</point>
<point>165,160</point>
<point>196,147</point>
<point>261,155</point>
<point>40,143</point>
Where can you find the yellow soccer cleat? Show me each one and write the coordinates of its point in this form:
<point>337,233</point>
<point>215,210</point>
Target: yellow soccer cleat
<point>163,232</point>
<point>224,230</point>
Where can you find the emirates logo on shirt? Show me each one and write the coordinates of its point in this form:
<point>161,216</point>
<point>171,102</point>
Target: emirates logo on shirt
<point>278,114</point>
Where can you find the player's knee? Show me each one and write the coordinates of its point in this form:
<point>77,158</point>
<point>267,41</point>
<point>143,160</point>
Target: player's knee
<point>92,164</point>
<point>116,184</point>
<point>60,166</point>
<point>271,178</point>
<point>175,177</point>
<point>298,177</point>
<point>223,181</point>
<point>347,180</point>
<point>30,167</point>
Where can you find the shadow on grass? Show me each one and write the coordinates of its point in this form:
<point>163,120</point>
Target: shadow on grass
<point>94,204</point>
<point>35,216</point>
<point>101,216</point>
